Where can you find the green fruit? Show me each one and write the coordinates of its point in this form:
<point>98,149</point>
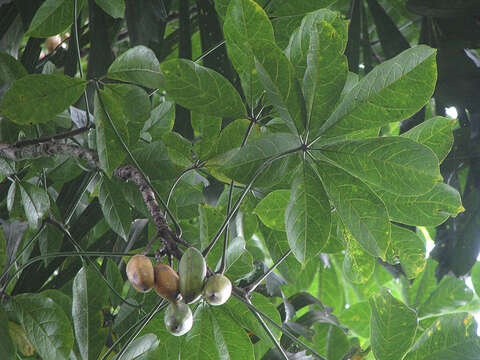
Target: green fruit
<point>192,270</point>
<point>178,318</point>
<point>217,289</point>
<point>140,273</point>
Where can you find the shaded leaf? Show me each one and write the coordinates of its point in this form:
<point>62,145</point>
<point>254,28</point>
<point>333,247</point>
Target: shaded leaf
<point>409,249</point>
<point>114,8</point>
<point>140,348</point>
<point>358,266</point>
<point>36,98</point>
<point>7,348</point>
<point>357,318</point>
<point>393,326</point>
<point>271,209</point>
<point>36,203</point>
<point>299,7</point>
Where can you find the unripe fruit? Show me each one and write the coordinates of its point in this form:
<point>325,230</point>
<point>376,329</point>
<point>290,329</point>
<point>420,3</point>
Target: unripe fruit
<point>178,318</point>
<point>140,273</point>
<point>192,270</point>
<point>217,289</point>
<point>166,282</point>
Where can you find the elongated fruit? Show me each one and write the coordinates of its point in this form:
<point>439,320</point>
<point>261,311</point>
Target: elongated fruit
<point>178,318</point>
<point>217,290</point>
<point>140,273</point>
<point>166,282</point>
<point>192,270</point>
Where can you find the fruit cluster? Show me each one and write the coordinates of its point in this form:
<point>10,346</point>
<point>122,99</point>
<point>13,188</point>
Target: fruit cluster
<point>186,287</point>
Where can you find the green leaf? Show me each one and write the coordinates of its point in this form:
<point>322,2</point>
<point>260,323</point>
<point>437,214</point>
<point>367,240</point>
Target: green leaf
<point>10,69</point>
<point>242,164</point>
<point>115,279</point>
<point>307,217</point>
<point>475,277</point>
<point>46,325</point>
<point>357,318</point>
<point>141,348</point>
<point>90,297</point>
<point>395,164</point>
<point>229,137</point>
<point>360,210</point>
<point>53,17</point>
<point>409,249</point>
<point>109,147</point>
<point>281,84</point>
<point>3,250</point>
<point>36,99</point>
<point>430,209</point>
<point>179,149</point>
<point>436,133</point>
<point>358,265</point>
<point>246,23</point>
<point>392,91</point>
<point>215,336</point>
<point>7,348</point>
<point>114,207</point>
<point>206,130</point>
<point>201,89</point>
<point>138,65</point>
<point>393,326</point>
<point>337,343</point>
<point>7,167</point>
<point>36,203</point>
<point>239,262</point>
<point>271,209</point>
<point>298,7</point>
<point>316,52</point>
<point>114,8</point>
<point>449,337</point>
<point>448,296</point>
<point>330,289</point>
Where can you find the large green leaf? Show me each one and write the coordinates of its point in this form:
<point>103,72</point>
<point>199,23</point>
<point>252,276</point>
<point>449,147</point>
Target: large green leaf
<point>36,98</point>
<point>114,207</point>
<point>114,8</point>
<point>358,265</point>
<point>138,65</point>
<point>392,326</point>
<point>243,164</point>
<point>142,348</point>
<point>307,217</point>
<point>449,295</point>
<point>7,348</point>
<point>429,209</point>
<point>36,203</point>
<point>10,69</point>
<point>53,17</point>
<point>201,89</point>
<point>298,7</point>
<point>282,87</point>
<point>449,337</point>
<point>206,130</point>
<point>410,250</point>
<point>245,23</point>
<point>395,164</point>
<point>316,52</point>
<point>357,318</point>
<point>436,133</point>
<point>215,336</point>
<point>239,261</point>
<point>46,325</point>
<point>90,298</point>
<point>330,288</point>
<point>392,91</point>
<point>271,209</point>
<point>361,211</point>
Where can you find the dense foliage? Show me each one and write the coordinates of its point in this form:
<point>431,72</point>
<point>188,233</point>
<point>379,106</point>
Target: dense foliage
<point>306,163</point>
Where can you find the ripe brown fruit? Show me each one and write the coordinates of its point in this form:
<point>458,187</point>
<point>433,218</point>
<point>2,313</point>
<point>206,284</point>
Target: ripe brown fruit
<point>178,318</point>
<point>166,282</point>
<point>217,290</point>
<point>52,42</point>
<point>140,273</point>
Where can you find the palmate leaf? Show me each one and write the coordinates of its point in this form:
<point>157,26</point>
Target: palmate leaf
<point>392,326</point>
<point>316,52</point>
<point>36,98</point>
<point>138,65</point>
<point>410,250</point>
<point>36,203</point>
<point>299,7</point>
<point>282,87</point>
<point>357,318</point>
<point>114,8</point>
<point>201,89</point>
<point>451,336</point>
<point>392,91</point>
<point>358,265</point>
<point>271,209</point>
<point>429,209</point>
<point>307,216</point>
<point>361,211</point>
<point>245,23</point>
<point>395,164</point>
<point>215,336</point>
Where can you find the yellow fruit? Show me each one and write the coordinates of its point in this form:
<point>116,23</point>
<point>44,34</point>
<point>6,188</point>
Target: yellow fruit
<point>192,270</point>
<point>140,273</point>
<point>217,290</point>
<point>166,282</point>
<point>178,318</point>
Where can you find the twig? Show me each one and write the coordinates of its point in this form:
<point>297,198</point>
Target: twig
<point>253,286</point>
<point>44,139</point>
